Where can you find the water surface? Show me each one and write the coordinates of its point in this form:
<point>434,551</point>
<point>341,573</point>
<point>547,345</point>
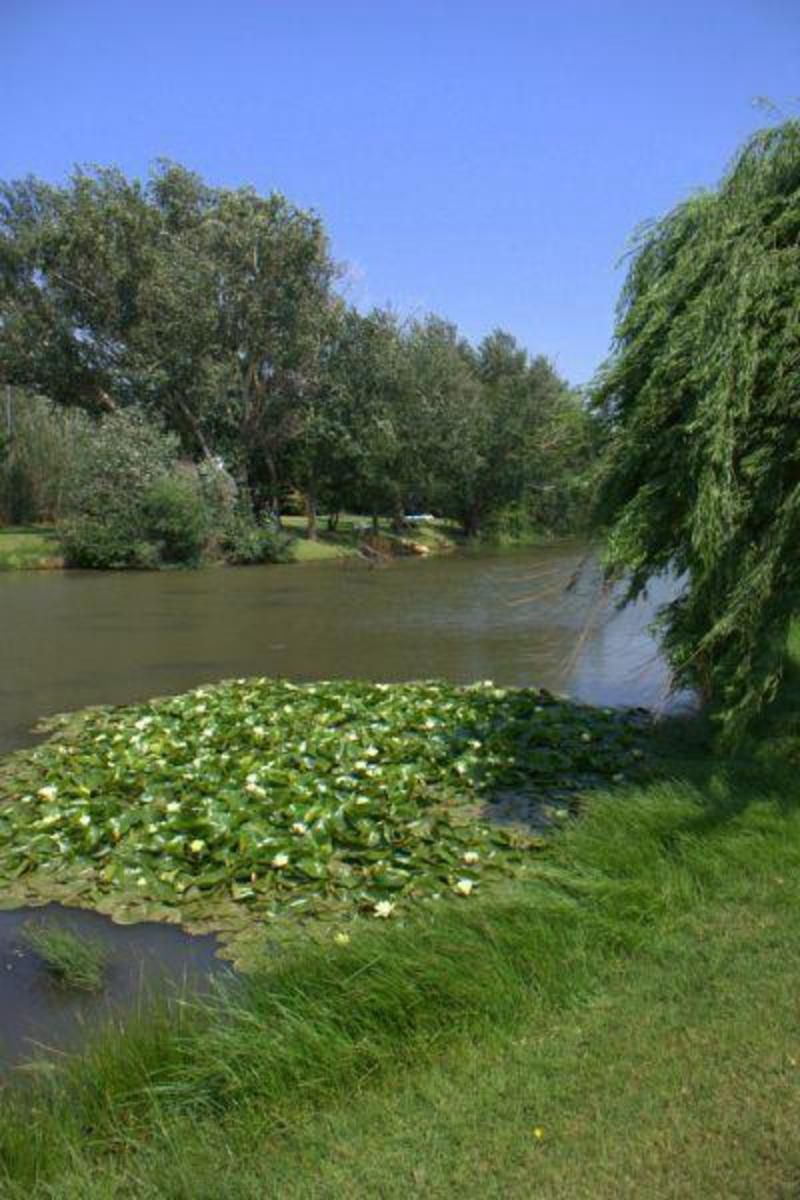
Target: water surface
<point>69,639</point>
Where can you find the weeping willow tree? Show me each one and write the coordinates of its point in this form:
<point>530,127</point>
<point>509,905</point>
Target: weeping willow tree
<point>701,397</point>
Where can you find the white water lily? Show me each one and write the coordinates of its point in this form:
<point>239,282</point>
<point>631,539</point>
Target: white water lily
<point>280,860</point>
<point>255,789</point>
<point>464,887</point>
<point>299,827</point>
<point>259,732</point>
<point>85,820</point>
<point>197,846</point>
<point>471,857</point>
<point>48,793</point>
<point>371,752</point>
<point>143,722</point>
<point>360,765</point>
<point>173,806</point>
<point>586,737</point>
<point>384,908</point>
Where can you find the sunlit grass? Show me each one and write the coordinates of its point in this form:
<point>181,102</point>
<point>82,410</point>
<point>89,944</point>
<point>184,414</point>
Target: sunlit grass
<point>73,959</point>
<point>28,547</point>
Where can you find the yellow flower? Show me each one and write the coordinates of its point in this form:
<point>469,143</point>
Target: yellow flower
<point>538,1132</point>
<point>342,939</point>
<point>384,908</point>
<point>464,887</point>
<point>197,846</point>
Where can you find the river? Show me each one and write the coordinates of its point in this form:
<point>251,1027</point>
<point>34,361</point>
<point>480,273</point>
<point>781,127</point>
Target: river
<point>69,639</point>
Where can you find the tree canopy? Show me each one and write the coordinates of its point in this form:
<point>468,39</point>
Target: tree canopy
<point>701,398</point>
<point>215,311</point>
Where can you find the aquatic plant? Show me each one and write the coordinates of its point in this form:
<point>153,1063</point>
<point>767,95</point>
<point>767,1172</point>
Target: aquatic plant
<point>75,960</point>
<point>256,797</point>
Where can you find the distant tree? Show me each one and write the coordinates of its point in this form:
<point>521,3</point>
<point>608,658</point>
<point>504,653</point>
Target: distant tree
<point>203,305</point>
<point>701,401</point>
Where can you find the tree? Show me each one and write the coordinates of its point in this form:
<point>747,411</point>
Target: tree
<point>701,402</point>
<point>203,305</point>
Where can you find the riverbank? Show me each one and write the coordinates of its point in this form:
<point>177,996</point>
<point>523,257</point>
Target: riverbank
<point>37,547</point>
<point>620,1023</point>
<point>29,548</point>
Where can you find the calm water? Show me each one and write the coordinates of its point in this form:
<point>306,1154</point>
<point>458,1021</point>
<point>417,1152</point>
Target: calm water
<point>40,1018</point>
<point>68,639</point>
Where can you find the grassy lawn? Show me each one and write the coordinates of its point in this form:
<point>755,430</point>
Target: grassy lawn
<point>623,1024</point>
<point>435,536</point>
<point>28,547</point>
<point>622,1021</point>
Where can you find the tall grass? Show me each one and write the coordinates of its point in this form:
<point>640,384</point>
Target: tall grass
<point>74,960</point>
<point>321,1024</point>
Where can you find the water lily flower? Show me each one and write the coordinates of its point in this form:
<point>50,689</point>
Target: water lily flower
<point>384,908</point>
<point>299,827</point>
<point>360,765</point>
<point>85,820</point>
<point>342,939</point>
<point>197,846</point>
<point>48,793</point>
<point>586,737</point>
<point>471,857</point>
<point>173,806</point>
<point>255,790</point>
<point>371,752</point>
<point>259,732</point>
<point>280,860</point>
<point>464,887</point>
<point>143,722</point>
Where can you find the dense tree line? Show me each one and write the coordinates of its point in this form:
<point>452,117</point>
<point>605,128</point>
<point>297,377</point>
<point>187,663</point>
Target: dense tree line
<point>216,313</point>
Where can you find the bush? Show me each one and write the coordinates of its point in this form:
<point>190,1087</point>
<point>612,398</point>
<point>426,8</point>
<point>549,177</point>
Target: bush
<point>127,505</point>
<point>244,542</point>
<point>176,519</point>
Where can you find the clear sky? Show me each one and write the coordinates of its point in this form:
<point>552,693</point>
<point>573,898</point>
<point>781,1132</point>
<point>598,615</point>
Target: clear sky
<point>484,159</point>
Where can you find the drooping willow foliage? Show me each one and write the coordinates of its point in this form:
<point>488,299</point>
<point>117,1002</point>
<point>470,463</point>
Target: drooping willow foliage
<point>702,401</point>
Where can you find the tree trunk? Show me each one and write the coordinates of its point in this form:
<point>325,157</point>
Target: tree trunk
<point>310,502</point>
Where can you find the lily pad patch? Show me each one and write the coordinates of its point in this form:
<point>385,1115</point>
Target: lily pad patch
<point>258,797</point>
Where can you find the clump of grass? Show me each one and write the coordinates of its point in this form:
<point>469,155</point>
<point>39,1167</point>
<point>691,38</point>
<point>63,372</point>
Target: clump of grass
<point>73,960</point>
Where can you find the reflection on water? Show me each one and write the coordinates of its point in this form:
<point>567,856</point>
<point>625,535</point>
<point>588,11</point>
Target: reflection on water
<point>68,639</point>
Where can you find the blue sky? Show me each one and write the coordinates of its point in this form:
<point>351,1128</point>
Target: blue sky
<point>484,160</point>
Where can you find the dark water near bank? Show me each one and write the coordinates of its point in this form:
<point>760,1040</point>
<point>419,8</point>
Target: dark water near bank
<point>40,1018</point>
<point>68,639</point>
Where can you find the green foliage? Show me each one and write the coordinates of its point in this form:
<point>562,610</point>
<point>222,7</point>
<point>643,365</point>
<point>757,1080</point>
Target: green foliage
<point>175,519</point>
<point>129,502</point>
<point>257,797</point>
<point>701,401</point>
<point>75,961</point>
<point>38,445</point>
<point>244,541</point>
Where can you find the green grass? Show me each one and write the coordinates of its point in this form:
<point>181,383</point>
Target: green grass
<point>28,548</point>
<point>75,961</point>
<point>636,1004</point>
<point>623,1023</point>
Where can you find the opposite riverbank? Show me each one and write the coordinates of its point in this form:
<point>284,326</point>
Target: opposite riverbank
<point>37,547</point>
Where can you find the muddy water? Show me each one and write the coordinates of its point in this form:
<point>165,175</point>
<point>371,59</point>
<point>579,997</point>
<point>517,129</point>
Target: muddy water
<point>68,639</point>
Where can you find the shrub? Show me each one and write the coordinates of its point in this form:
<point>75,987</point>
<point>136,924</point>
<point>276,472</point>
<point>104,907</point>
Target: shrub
<point>176,519</point>
<point>245,541</point>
